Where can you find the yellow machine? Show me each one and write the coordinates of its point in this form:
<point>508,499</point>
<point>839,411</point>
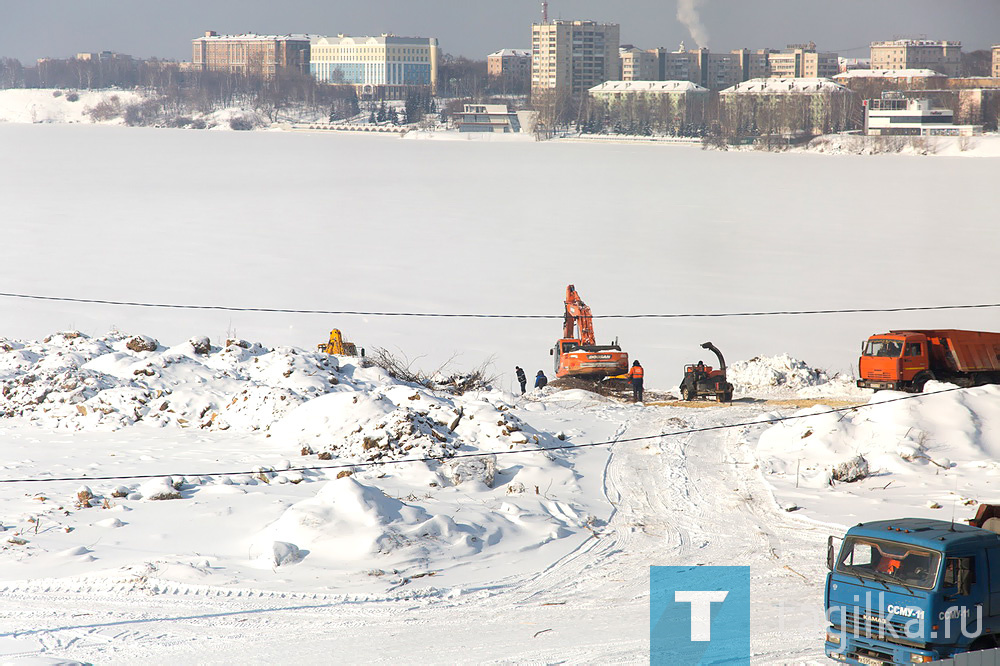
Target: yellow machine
<point>336,345</point>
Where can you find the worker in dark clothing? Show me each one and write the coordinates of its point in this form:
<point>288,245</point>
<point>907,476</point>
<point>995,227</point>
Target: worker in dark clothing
<point>521,379</point>
<point>541,380</point>
<point>635,376</point>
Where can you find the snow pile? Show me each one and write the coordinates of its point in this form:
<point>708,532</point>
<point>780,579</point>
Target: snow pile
<point>894,437</point>
<point>450,495</point>
<point>360,519</point>
<point>763,372</point>
<point>395,421</point>
<point>350,524</point>
<point>70,380</point>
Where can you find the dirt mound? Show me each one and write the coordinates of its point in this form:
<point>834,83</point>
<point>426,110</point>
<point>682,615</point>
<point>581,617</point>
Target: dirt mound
<point>600,388</point>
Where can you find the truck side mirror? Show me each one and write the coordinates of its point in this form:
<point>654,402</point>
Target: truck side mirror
<point>830,554</point>
<point>551,352</point>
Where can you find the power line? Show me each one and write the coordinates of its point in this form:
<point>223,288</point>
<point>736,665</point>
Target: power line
<point>481,454</point>
<point>856,48</point>
<point>229,308</point>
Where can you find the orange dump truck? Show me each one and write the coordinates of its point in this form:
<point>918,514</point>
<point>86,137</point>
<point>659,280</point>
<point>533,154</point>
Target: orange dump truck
<point>906,360</point>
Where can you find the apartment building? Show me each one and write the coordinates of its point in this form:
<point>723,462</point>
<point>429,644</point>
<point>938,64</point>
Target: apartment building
<point>638,64</point>
<point>103,56</point>
<point>811,105</point>
<point>385,67</point>
<point>941,56</point>
<point>573,56</point>
<point>802,61</point>
<point>685,99</point>
<point>512,67</point>
<point>709,70</point>
<point>506,62</point>
<point>250,54</point>
<point>753,64</point>
<point>714,71</point>
<point>996,61</point>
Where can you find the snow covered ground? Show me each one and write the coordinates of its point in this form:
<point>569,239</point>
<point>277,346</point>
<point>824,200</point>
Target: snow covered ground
<point>538,555</point>
<point>533,556</point>
<point>56,106</point>
<point>985,145</point>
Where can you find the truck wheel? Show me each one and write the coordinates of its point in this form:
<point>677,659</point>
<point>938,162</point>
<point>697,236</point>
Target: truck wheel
<point>921,379</point>
<point>727,396</point>
<point>982,643</point>
<point>687,394</point>
<point>986,378</point>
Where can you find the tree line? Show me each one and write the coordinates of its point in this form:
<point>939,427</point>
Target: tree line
<point>707,114</point>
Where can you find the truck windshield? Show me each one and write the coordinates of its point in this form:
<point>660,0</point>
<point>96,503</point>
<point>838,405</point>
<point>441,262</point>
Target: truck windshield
<point>889,561</point>
<point>877,347</point>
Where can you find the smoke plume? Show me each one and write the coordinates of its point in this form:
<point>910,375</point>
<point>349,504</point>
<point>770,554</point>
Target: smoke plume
<point>687,13</point>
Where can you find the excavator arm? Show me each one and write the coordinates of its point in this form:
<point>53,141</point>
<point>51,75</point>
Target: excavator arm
<point>578,316</point>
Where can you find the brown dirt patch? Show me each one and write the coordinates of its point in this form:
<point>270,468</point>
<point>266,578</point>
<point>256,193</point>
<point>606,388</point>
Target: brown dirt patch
<point>796,403</point>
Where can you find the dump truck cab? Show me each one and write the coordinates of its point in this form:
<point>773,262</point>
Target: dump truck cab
<point>896,360</point>
<point>906,360</point>
<point>912,590</point>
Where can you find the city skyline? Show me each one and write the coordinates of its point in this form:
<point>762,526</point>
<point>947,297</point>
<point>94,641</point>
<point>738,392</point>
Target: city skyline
<point>61,28</point>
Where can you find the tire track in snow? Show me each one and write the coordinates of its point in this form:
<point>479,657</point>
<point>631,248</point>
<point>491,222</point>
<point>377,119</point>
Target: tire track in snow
<point>697,500</point>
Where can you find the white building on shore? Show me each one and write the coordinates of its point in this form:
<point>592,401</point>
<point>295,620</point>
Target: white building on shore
<point>898,116</point>
<point>386,66</point>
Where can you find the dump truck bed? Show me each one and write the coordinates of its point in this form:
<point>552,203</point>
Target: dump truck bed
<point>970,351</point>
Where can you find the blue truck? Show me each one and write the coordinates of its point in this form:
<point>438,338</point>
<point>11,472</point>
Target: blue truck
<point>914,590</point>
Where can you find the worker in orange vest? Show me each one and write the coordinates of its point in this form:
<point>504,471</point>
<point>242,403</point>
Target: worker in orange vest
<point>635,377</point>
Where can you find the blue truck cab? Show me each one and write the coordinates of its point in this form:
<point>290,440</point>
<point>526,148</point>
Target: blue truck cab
<point>914,590</point>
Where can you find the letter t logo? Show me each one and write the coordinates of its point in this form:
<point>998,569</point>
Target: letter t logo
<point>701,610</point>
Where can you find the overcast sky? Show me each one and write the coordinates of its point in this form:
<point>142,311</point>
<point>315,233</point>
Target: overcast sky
<point>31,29</point>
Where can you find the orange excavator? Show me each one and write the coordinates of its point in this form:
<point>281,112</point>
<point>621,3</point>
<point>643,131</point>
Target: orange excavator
<point>576,353</point>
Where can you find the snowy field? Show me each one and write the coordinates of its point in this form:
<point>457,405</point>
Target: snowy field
<point>534,556</point>
<point>314,221</point>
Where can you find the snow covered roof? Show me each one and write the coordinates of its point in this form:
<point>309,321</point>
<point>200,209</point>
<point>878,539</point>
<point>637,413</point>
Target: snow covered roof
<point>253,37</point>
<point>502,53</point>
<point>778,86</point>
<point>648,86</point>
<point>384,38</point>
<point>916,42</point>
<point>887,73</point>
